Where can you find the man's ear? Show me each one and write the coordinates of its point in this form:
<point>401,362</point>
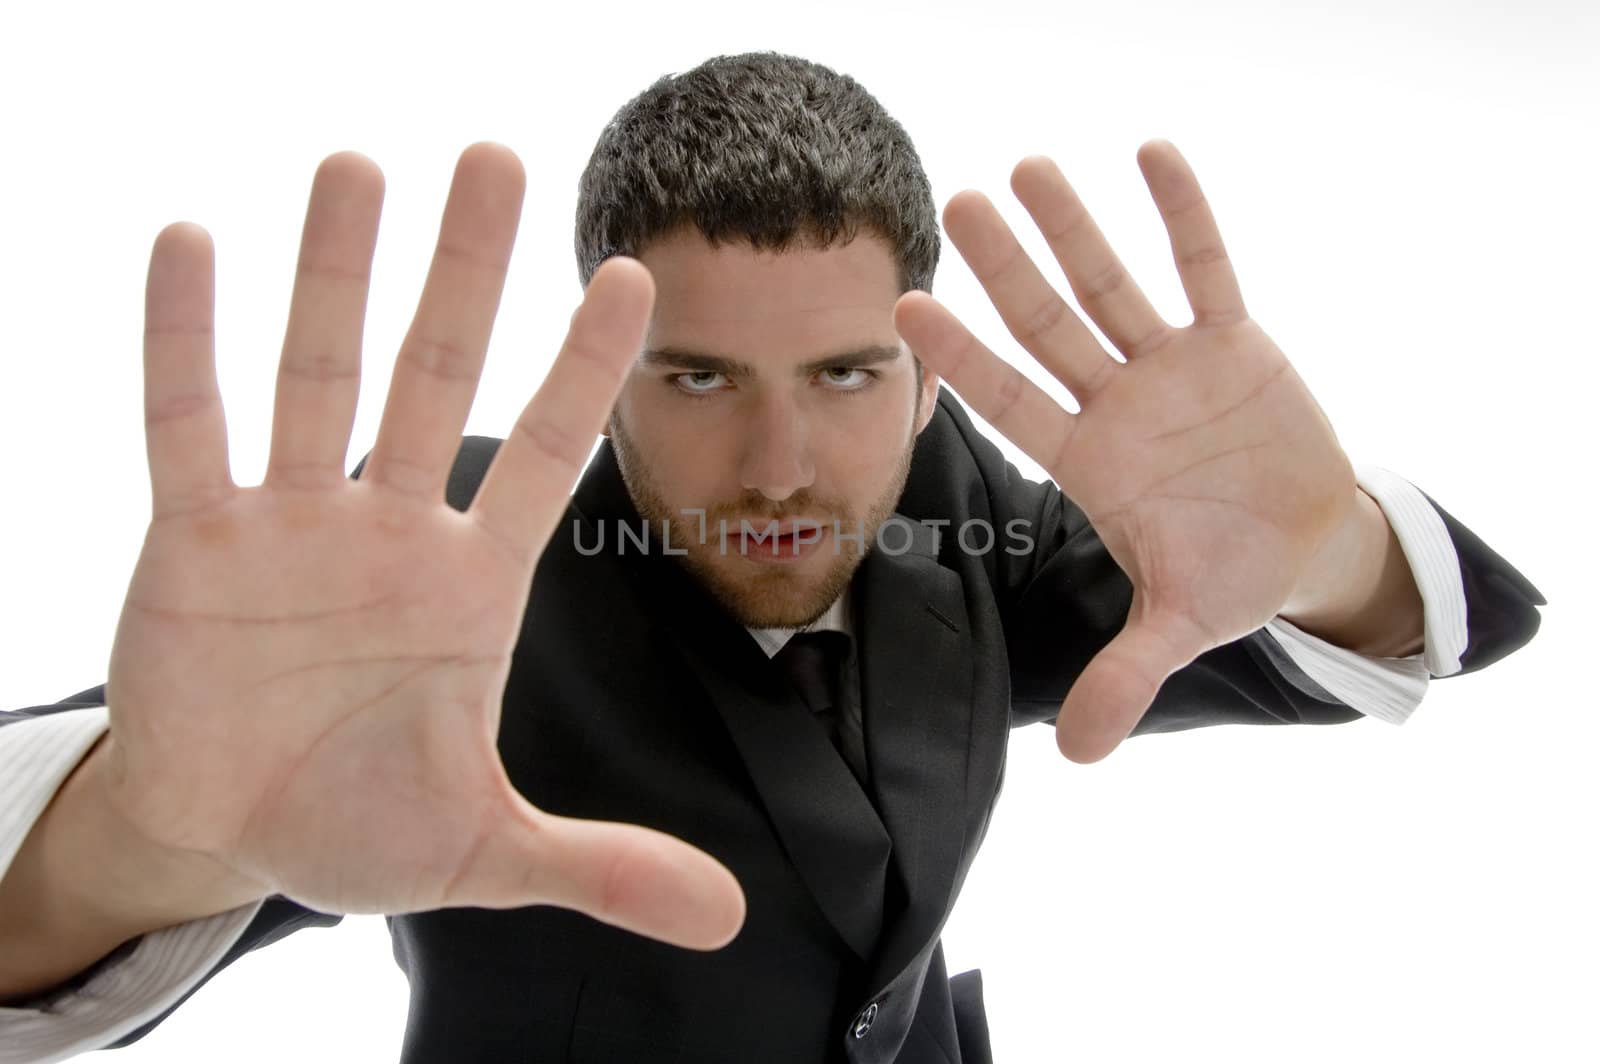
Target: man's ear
<point>927,398</point>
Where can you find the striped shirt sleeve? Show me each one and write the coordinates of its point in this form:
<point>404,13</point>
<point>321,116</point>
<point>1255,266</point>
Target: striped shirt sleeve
<point>139,981</point>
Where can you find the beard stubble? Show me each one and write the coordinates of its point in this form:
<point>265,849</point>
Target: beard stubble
<point>762,595</point>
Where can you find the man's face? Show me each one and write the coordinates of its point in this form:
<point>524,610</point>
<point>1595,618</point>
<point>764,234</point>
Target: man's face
<point>772,387</point>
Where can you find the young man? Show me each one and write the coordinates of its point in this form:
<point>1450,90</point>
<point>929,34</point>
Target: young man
<point>333,696</point>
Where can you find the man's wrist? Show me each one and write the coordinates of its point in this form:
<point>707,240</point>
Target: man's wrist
<point>150,886</point>
<point>1358,592</point>
<point>82,884</point>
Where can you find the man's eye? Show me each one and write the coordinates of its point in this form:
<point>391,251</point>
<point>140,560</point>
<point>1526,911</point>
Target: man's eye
<point>700,382</point>
<point>848,377</point>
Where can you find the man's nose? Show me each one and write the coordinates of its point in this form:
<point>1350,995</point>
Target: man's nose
<point>777,455</point>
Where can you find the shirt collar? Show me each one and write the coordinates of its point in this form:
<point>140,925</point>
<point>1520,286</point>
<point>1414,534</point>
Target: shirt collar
<point>836,619</point>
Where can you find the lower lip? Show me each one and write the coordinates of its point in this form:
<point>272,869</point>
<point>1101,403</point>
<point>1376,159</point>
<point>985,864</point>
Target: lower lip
<point>779,549</point>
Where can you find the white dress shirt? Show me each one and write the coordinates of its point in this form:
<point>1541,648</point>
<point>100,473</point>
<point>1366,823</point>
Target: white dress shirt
<point>143,981</point>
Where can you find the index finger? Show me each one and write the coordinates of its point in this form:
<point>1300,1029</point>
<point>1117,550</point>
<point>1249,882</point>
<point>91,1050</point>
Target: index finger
<point>997,390</point>
<point>525,491</point>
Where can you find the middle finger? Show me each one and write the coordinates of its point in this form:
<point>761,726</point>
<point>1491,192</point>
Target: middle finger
<point>1032,309</point>
<point>1102,284</point>
<point>436,374</point>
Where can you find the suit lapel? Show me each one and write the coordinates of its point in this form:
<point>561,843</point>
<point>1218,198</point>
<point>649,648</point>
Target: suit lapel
<point>829,828</point>
<point>917,704</point>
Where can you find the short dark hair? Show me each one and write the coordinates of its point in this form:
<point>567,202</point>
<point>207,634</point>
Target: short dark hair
<point>766,148</point>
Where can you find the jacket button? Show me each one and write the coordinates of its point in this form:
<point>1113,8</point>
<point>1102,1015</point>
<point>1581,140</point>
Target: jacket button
<point>864,1021</point>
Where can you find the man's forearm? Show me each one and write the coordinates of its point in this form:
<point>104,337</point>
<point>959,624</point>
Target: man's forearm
<point>1359,592</point>
<point>80,886</point>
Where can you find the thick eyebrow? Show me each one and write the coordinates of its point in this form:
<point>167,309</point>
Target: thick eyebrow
<point>696,362</point>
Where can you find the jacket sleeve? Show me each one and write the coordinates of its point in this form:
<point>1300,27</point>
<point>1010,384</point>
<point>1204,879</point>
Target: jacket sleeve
<point>1063,598</point>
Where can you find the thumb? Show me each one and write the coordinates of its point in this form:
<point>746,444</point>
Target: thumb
<point>1118,685</point>
<point>631,877</point>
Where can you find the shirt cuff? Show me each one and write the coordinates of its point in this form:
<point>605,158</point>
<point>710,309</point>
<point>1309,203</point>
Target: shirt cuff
<point>1391,688</point>
<point>135,985</point>
<point>1434,565</point>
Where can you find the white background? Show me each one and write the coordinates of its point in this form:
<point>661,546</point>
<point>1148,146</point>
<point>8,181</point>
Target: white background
<point>1408,193</point>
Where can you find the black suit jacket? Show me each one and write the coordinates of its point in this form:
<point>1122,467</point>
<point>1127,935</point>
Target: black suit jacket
<point>634,697</point>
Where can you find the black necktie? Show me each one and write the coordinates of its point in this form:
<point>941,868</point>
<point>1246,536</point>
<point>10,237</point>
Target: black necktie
<point>814,663</point>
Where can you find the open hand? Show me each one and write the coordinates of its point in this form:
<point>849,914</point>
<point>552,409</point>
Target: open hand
<point>307,675</point>
<point>1201,460</point>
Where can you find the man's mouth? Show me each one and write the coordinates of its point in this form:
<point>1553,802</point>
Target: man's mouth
<point>776,540</point>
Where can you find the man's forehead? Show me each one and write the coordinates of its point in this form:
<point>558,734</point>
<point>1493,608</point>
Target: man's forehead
<point>698,277</point>
<point>717,299</point>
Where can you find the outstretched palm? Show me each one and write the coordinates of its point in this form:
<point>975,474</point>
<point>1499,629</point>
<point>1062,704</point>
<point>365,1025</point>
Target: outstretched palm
<point>306,682</point>
<point>1201,460</point>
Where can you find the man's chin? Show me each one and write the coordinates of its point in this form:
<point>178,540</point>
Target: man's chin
<point>771,600</point>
